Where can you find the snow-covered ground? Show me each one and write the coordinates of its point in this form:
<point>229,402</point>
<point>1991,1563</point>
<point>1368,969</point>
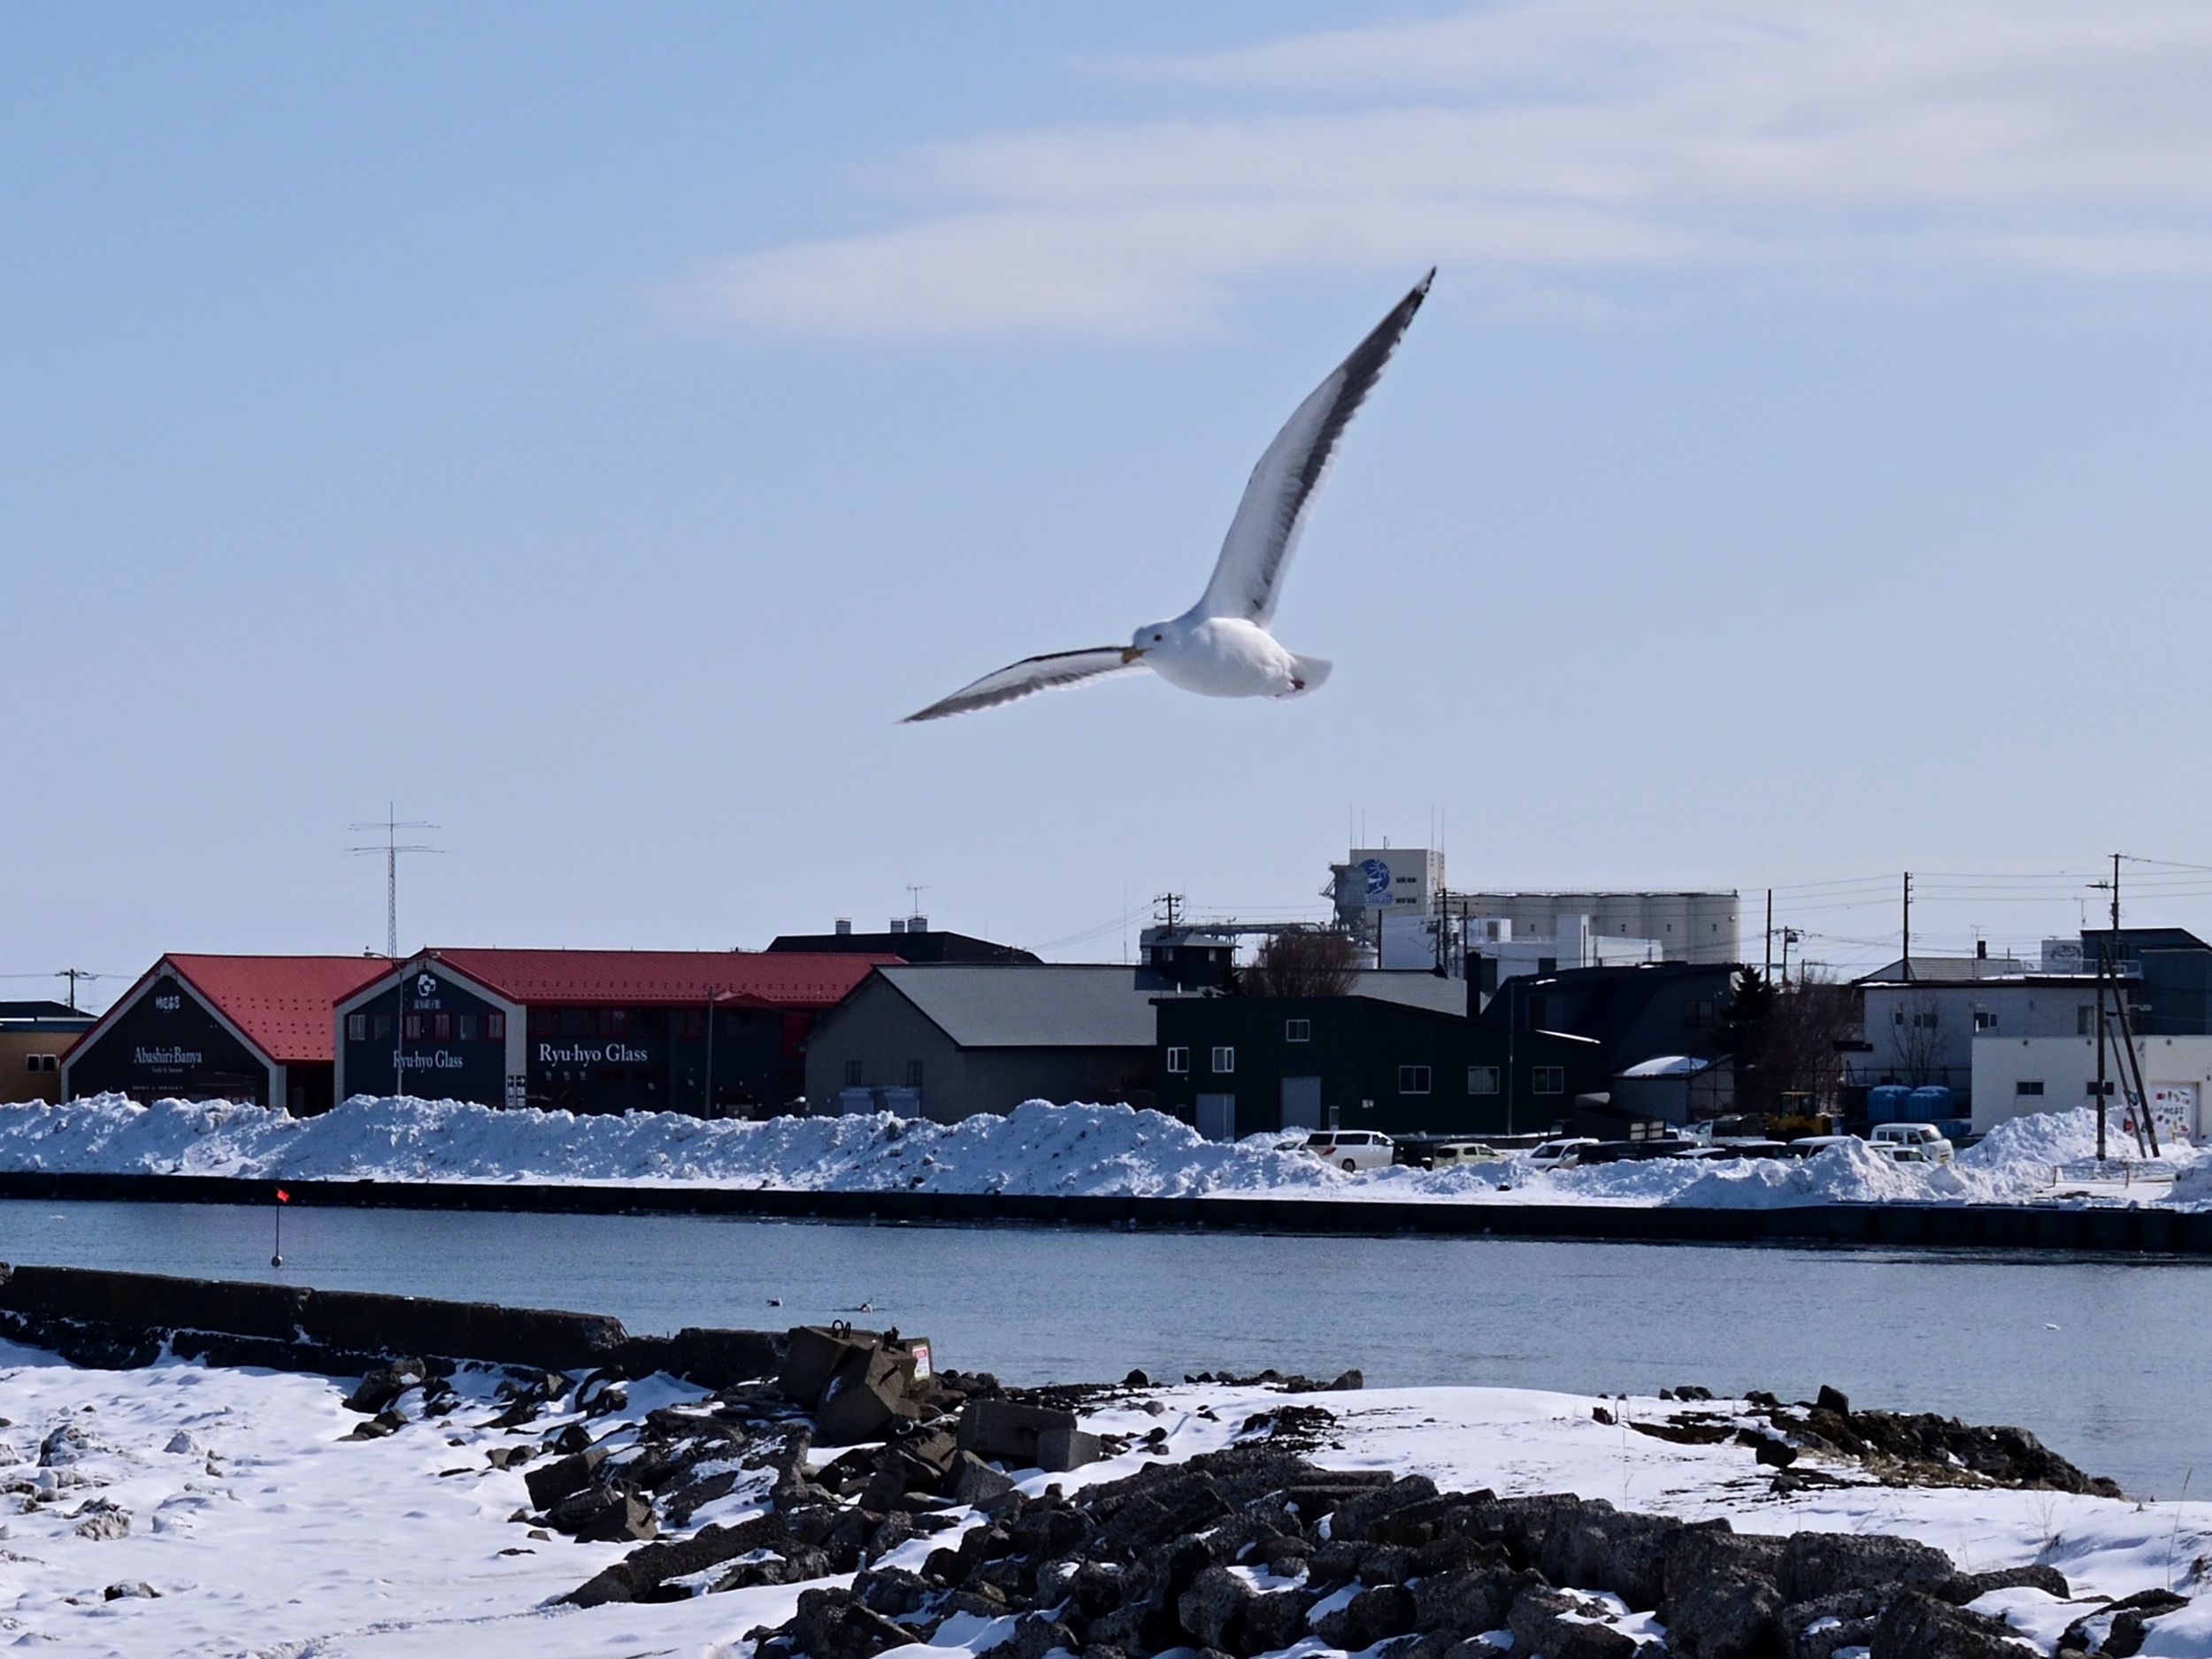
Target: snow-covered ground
<point>262,1531</point>
<point>1038,1148</point>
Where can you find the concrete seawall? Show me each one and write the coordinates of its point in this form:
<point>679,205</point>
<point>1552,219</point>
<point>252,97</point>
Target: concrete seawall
<point>98,1316</point>
<point>1987,1226</point>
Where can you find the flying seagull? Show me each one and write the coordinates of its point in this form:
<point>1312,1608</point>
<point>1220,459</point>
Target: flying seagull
<point>1221,646</point>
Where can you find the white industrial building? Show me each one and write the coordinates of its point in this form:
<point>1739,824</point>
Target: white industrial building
<point>1396,901</point>
<point>2016,1075</point>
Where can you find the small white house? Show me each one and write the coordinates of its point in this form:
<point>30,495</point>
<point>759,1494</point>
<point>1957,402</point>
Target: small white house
<point>2014,1076</point>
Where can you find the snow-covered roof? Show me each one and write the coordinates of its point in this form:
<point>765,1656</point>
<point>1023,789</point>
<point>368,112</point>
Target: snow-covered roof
<point>1669,1065</point>
<point>1417,987</point>
<point>1043,1005</point>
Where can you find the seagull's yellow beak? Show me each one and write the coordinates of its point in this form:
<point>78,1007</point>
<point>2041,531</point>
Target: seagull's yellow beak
<point>1129,653</point>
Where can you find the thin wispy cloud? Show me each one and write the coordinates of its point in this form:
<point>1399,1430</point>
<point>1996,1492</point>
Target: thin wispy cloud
<point>1569,136</point>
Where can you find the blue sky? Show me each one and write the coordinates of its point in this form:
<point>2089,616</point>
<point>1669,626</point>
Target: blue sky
<point>592,428</point>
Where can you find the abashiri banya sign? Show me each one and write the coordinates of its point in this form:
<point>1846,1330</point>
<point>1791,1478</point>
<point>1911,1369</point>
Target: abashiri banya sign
<point>143,1055</point>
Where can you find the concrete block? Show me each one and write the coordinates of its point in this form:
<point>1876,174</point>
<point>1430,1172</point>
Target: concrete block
<point>1007,1431</point>
<point>1059,1450</point>
<point>863,1397</point>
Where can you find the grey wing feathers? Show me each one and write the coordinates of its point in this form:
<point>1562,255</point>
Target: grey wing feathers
<point>1032,674</point>
<point>1264,534</point>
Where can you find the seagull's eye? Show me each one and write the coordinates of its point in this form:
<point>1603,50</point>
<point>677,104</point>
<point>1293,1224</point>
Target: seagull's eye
<point>1155,638</point>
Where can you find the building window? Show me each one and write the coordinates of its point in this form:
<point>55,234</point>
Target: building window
<point>2028,1086</point>
<point>1482,1080</point>
<point>614,1022</point>
<point>1297,1030</point>
<point>411,1027</point>
<point>1225,1061</point>
<point>383,1028</point>
<point>442,1027</point>
<point>2085,1020</point>
<point>1697,1013</point>
<point>690,1022</point>
<point>465,1025</point>
<point>1547,1080</point>
<point>913,1074</point>
<point>852,1074</point>
<point>1413,1080</point>
<point>1178,1061</point>
<point>496,1027</point>
<point>357,1028</point>
<point>1985,1019</point>
<point>40,1063</point>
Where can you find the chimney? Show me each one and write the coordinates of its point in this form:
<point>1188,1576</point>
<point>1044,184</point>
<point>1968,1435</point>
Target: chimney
<point>918,924</point>
<point>898,924</point>
<point>844,927</point>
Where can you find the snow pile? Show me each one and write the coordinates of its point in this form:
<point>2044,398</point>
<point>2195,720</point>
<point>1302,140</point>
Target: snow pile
<point>1094,1150</point>
<point>1038,1148</point>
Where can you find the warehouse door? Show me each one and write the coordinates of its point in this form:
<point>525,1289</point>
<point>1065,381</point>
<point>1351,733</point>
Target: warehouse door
<point>1302,1102</point>
<point>1218,1117</point>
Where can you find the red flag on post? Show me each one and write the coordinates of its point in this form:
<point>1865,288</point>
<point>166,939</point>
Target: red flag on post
<point>283,1197</point>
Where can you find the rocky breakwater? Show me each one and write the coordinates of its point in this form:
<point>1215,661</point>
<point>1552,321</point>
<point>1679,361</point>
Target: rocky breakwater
<point>1252,1550</point>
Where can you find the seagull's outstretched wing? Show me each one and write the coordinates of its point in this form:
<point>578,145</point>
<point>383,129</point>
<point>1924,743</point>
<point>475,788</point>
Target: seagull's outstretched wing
<point>1056,671</point>
<point>1264,534</point>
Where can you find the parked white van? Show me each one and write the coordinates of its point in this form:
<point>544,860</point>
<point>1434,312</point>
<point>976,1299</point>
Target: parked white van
<point>1353,1149</point>
<point>1922,1138</point>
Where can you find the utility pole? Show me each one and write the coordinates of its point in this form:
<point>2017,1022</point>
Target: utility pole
<point>1770,967</point>
<point>1170,901</point>
<point>391,849</point>
<point>72,975</point>
<point>1905,930</point>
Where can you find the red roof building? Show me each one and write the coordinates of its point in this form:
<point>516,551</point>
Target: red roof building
<point>201,1027</point>
<point>712,1032</point>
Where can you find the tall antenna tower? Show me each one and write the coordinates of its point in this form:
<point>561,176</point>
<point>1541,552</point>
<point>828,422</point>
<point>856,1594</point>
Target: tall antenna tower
<point>391,848</point>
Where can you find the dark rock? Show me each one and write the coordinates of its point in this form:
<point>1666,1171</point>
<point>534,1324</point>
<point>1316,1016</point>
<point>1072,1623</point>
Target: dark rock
<point>1275,1620</point>
<point>1213,1607</point>
<point>1832,1400</point>
<point>642,1571</point>
<point>602,1514</point>
<point>1136,1379</point>
<point>139,1590</point>
<point>1033,1638</point>
<point>1815,1630</point>
<point>1354,1519</point>
<point>384,1385</point>
<point>1371,1616</point>
<point>1724,1614</point>
<point>891,1591</point>
<point>2125,1633</point>
<point>834,1625</point>
<point>1774,1454</point>
<point>1815,1564</point>
<point>551,1482</point>
<point>1550,1625</point>
<point>1462,1604</point>
<point>1599,1548</point>
<point>1698,1553</point>
<point>1917,1626</point>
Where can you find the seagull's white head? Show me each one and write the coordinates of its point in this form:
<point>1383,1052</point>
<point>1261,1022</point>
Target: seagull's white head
<point>1148,638</point>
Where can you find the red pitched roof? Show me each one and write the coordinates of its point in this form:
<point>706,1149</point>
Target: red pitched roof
<point>793,979</point>
<point>282,1003</point>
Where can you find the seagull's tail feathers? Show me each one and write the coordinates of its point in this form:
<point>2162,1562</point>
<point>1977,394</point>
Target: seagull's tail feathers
<point>1308,673</point>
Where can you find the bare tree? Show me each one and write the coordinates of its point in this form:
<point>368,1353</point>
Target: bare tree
<point>1915,1039</point>
<point>1812,1014</point>
<point>1309,962</point>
